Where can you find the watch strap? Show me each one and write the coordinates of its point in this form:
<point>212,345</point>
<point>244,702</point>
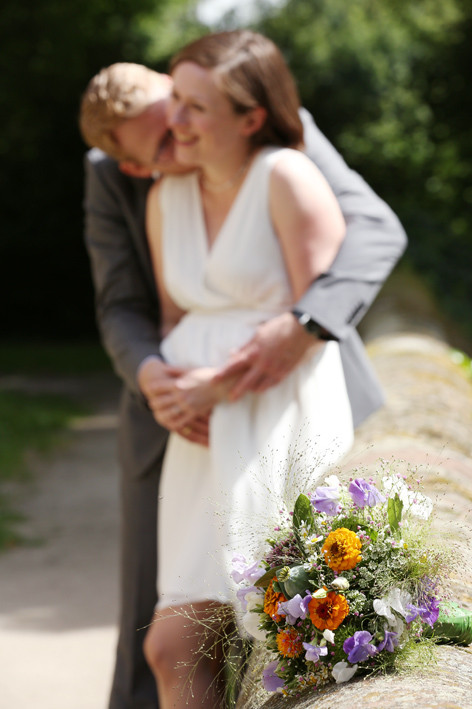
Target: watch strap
<point>311,326</point>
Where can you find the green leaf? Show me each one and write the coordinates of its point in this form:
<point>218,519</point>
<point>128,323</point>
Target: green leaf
<point>394,511</point>
<point>265,580</point>
<point>303,512</point>
<point>277,587</point>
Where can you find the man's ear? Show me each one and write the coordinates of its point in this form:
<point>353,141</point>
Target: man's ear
<point>132,169</point>
<point>254,120</point>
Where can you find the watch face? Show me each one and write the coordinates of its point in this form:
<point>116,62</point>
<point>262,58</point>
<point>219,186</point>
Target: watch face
<point>312,327</point>
<point>304,320</point>
<point>309,324</point>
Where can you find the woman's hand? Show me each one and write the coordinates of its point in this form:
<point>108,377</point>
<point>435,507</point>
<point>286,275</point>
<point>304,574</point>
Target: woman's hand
<point>277,347</point>
<point>178,400</point>
<point>154,378</point>
<point>182,400</point>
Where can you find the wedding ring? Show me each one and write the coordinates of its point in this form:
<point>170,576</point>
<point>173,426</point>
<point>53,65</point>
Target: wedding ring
<point>186,430</point>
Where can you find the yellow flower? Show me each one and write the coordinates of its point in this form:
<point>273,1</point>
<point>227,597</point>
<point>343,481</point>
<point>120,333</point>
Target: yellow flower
<point>289,643</point>
<point>271,602</point>
<point>328,613</point>
<point>341,549</point>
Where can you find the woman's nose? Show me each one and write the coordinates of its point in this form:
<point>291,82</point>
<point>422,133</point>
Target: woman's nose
<point>178,116</point>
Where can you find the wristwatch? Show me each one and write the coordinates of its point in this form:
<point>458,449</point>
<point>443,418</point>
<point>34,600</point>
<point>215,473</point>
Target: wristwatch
<point>311,326</point>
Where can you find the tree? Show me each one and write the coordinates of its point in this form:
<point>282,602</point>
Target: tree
<point>386,81</point>
<point>50,49</point>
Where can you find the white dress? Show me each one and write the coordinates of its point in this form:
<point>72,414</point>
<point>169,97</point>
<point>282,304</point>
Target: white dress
<point>218,501</point>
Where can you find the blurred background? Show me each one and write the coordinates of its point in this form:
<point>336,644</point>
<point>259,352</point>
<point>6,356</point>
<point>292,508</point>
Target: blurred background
<point>386,80</point>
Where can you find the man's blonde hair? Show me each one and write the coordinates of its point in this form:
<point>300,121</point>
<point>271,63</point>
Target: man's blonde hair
<point>117,93</point>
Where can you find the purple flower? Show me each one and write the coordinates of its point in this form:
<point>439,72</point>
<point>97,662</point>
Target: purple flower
<point>389,642</point>
<point>428,611</point>
<point>242,571</point>
<point>428,606</point>
<point>314,652</point>
<point>358,647</point>
<point>413,614</point>
<point>326,499</point>
<point>296,608</point>
<point>364,494</point>
<point>271,680</point>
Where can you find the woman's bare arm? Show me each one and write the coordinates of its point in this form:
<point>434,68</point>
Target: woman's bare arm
<point>170,311</point>
<point>306,218</point>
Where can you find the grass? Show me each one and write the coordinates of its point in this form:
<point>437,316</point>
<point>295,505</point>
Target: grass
<point>40,358</point>
<point>32,423</point>
<point>28,423</point>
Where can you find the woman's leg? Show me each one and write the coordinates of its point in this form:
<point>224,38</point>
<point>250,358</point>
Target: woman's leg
<point>184,649</point>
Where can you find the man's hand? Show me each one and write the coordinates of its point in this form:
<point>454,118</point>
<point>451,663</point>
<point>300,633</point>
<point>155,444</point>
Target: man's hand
<point>276,349</point>
<point>156,379</point>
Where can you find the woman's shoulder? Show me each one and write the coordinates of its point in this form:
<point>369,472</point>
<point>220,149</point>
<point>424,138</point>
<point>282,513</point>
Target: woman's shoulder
<point>283,159</point>
<point>290,168</point>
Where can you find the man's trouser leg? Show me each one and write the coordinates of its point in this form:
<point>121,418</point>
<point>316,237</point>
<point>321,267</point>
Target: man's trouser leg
<point>133,683</point>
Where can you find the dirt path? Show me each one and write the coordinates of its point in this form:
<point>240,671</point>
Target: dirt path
<point>58,595</point>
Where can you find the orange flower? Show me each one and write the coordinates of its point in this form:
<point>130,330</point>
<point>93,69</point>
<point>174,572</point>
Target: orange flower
<point>272,600</point>
<point>328,613</point>
<point>289,643</point>
<point>341,549</point>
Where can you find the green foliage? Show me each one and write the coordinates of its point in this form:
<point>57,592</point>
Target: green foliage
<point>41,358</point>
<point>265,579</point>
<point>27,424</point>
<point>50,50</point>
<point>175,26</point>
<point>303,514</point>
<point>394,511</point>
<point>463,361</point>
<point>387,82</point>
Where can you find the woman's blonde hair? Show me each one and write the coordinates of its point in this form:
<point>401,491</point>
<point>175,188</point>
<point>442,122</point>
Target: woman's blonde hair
<point>251,71</point>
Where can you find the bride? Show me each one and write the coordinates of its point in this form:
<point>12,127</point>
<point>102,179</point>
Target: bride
<point>235,242</point>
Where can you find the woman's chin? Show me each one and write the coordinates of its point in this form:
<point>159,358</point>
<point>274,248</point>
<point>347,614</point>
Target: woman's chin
<point>185,154</point>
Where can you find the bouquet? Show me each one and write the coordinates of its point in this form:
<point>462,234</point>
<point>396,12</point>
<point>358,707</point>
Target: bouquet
<point>349,583</point>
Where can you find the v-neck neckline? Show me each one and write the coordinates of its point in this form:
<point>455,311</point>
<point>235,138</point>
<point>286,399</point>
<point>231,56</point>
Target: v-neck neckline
<point>210,248</point>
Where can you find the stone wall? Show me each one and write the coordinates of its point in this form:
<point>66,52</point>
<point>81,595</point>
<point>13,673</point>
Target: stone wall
<point>426,426</point>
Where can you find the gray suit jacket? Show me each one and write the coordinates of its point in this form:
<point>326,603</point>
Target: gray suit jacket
<point>126,299</point>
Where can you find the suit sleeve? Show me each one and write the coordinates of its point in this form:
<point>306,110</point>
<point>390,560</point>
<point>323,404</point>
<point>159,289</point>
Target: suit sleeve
<point>127,309</point>
<point>374,242</point>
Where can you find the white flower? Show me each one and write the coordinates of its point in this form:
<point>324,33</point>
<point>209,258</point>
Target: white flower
<point>394,621</point>
<point>253,599</point>
<point>342,672</point>
<point>328,635</point>
<point>332,481</point>
<point>415,502</point>
<point>381,608</point>
<point>398,600</point>
<point>251,625</point>
<point>340,583</point>
<point>422,506</point>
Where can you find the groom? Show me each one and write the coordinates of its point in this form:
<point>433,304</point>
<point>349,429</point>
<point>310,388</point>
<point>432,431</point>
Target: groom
<point>123,115</point>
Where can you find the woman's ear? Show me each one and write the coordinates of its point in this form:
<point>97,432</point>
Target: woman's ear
<point>254,120</point>
<point>132,169</point>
